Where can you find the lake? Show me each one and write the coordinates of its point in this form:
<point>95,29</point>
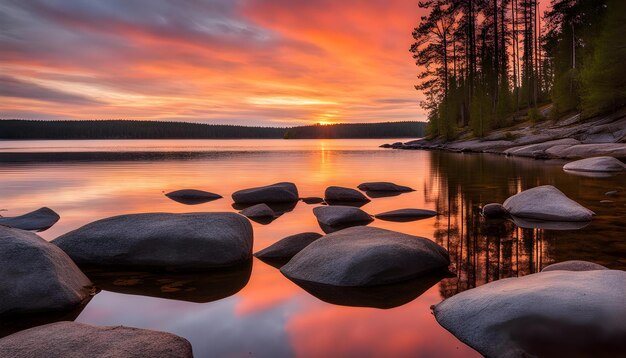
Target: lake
<point>256,310</point>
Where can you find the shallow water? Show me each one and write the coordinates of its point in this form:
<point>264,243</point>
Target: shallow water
<point>255,310</point>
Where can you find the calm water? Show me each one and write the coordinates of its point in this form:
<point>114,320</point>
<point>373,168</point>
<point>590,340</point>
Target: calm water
<point>255,310</point>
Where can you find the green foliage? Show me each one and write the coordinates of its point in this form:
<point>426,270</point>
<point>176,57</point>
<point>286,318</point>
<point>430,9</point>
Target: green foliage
<point>481,114</point>
<point>604,75</point>
<point>534,116</point>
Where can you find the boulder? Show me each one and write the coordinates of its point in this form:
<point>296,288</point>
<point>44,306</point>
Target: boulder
<point>403,215</point>
<point>313,200</point>
<point>192,196</point>
<point>38,220</point>
<point>71,339</point>
<point>162,240</point>
<point>286,248</point>
<point>596,164</point>
<point>495,211</point>
<point>366,256</point>
<point>574,265</point>
<point>276,193</point>
<point>384,186</point>
<point>338,215</point>
<point>611,193</point>
<point>552,314</point>
<point>339,194</point>
<point>546,203</point>
<point>36,276</point>
<point>258,211</point>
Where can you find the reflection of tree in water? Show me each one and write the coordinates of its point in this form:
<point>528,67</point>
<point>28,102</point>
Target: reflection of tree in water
<point>482,250</point>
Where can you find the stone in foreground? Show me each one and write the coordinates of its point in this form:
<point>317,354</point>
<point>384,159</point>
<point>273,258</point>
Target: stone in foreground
<point>258,211</point>
<point>546,203</point>
<point>574,265</point>
<point>38,220</point>
<point>71,339</point>
<point>384,186</point>
<point>495,211</point>
<point>162,240</point>
<point>286,248</point>
<point>192,196</point>
<point>556,314</point>
<point>338,194</point>
<point>366,256</point>
<point>276,193</point>
<point>335,215</point>
<point>596,164</point>
<point>36,276</point>
<point>403,215</point>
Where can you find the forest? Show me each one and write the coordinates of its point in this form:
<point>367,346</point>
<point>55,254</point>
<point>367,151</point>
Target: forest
<point>129,129</point>
<point>485,64</point>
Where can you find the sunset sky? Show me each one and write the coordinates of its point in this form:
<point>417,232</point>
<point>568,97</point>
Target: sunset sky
<point>252,62</point>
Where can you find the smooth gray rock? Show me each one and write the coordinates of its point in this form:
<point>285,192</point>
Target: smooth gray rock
<point>286,248</point>
<point>546,203</point>
<point>36,276</point>
<point>344,195</point>
<point>366,256</point>
<point>406,215</point>
<point>163,240</point>
<point>596,164</point>
<point>276,193</point>
<point>574,265</point>
<point>384,186</point>
<point>38,220</point>
<point>338,215</point>
<point>557,313</point>
<point>495,211</point>
<point>258,211</point>
<point>611,193</point>
<point>192,196</point>
<point>74,340</point>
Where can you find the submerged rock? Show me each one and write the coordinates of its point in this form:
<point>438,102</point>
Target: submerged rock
<point>403,215</point>
<point>258,211</point>
<point>162,240</point>
<point>286,248</point>
<point>495,211</point>
<point>546,203</point>
<point>276,193</point>
<point>36,276</point>
<point>312,200</point>
<point>71,339</point>
<point>366,256</point>
<point>557,313</point>
<point>337,194</point>
<point>38,220</point>
<point>338,215</point>
<point>596,164</point>
<point>384,186</point>
<point>574,265</point>
<point>549,225</point>
<point>192,196</point>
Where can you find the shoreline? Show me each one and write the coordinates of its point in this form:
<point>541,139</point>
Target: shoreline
<point>566,138</point>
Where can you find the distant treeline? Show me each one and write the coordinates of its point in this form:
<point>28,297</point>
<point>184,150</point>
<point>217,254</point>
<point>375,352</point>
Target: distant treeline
<point>126,129</point>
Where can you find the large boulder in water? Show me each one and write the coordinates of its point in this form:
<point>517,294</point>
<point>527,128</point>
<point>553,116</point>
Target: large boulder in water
<point>338,194</point>
<point>192,196</point>
<point>275,193</point>
<point>384,186</point>
<point>336,215</point>
<point>596,164</point>
<point>36,276</point>
<point>495,211</point>
<point>548,314</point>
<point>71,339</point>
<point>38,220</point>
<point>286,248</point>
<point>366,256</point>
<point>574,265</point>
<point>546,203</point>
<point>162,240</point>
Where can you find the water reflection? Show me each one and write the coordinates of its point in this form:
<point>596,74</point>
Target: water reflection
<point>264,313</point>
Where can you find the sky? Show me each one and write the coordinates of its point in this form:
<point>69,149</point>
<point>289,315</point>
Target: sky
<point>249,62</point>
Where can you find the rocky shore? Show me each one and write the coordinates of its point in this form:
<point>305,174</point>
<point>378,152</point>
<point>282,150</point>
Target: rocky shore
<point>567,138</point>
